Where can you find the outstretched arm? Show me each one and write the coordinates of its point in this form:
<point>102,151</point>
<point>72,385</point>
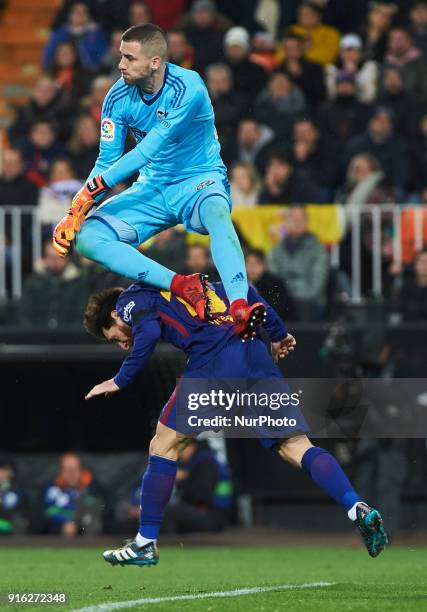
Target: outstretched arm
<point>111,145</point>
<point>145,337</point>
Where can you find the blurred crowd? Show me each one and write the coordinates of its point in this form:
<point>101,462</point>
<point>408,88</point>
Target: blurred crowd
<point>322,102</point>
<point>75,503</point>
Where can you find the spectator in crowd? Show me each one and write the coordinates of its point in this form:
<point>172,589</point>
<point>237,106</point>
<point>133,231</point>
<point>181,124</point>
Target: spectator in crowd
<point>204,492</point>
<point>112,57</point>
<point>249,78</point>
<point>139,13</point>
<point>167,13</point>
<point>251,144</point>
<point>263,50</point>
<point>84,145</point>
<point>351,61</point>
<point>375,33</point>
<point>269,286</point>
<point>41,149</point>
<point>199,260</point>
<point>403,106</point>
<point>97,278</point>
<point>12,503</point>
<point>343,117</point>
<point>419,154</point>
<point>110,13</point>
<point>283,184</point>
<point>180,52</point>
<point>99,88</point>
<point>205,34</point>
<point>228,105</point>
<point>279,104</point>
<point>366,183</point>
<point>85,34</point>
<point>410,302</point>
<point>16,190</point>
<point>381,141</point>
<point>418,26</point>
<point>54,295</point>
<point>71,504</point>
<point>402,54</point>
<point>69,75</point>
<point>48,103</point>
<point>15,187</point>
<point>128,510</point>
<point>306,75</point>
<point>245,184</point>
<point>55,197</point>
<point>321,41</point>
<point>302,263</point>
<point>317,157</point>
<point>168,249</point>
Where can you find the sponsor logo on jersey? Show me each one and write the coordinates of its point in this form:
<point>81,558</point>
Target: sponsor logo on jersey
<point>127,311</point>
<point>238,278</point>
<point>161,116</point>
<point>107,129</point>
<point>204,184</point>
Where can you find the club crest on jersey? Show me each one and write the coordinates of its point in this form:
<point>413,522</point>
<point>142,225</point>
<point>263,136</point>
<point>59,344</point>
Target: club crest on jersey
<point>204,184</point>
<point>107,129</point>
<point>127,311</point>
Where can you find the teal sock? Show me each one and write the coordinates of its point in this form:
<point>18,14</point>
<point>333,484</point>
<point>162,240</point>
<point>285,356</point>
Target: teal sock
<point>226,251</point>
<point>97,241</point>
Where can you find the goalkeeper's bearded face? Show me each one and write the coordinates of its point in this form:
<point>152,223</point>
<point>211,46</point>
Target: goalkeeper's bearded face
<point>135,66</point>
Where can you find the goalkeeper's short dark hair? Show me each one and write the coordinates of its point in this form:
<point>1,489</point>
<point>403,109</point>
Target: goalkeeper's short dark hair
<point>98,311</point>
<point>150,36</point>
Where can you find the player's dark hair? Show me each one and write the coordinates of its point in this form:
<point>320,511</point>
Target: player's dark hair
<point>288,33</point>
<point>97,315</point>
<point>151,37</point>
<point>281,156</point>
<point>258,253</point>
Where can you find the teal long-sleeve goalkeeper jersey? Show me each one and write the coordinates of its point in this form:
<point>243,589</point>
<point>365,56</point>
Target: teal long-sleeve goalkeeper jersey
<point>174,130</point>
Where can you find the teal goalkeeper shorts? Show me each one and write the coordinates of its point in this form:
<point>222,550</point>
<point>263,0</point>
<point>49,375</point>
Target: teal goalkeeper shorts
<point>149,207</point>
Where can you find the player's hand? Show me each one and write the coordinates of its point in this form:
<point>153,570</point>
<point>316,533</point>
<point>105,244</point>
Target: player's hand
<point>282,348</point>
<point>66,230</point>
<point>107,388</point>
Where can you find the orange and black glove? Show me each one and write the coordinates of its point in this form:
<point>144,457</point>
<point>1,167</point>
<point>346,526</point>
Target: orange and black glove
<point>64,233</point>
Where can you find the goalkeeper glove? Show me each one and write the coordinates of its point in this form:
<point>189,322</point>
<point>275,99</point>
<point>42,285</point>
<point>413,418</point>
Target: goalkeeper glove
<point>82,203</point>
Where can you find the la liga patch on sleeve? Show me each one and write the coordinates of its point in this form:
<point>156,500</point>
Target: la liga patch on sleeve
<point>107,129</point>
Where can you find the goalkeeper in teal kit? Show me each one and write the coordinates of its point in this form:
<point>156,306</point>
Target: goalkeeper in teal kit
<point>182,180</point>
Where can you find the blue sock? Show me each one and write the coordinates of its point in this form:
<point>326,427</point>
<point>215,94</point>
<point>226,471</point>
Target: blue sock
<point>327,473</point>
<point>157,485</point>
<point>97,241</point>
<point>226,251</point>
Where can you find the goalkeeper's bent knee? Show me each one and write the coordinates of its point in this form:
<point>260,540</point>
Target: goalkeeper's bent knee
<point>93,235</point>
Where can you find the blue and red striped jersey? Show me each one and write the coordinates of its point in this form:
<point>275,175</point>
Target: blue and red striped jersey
<point>154,314</point>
